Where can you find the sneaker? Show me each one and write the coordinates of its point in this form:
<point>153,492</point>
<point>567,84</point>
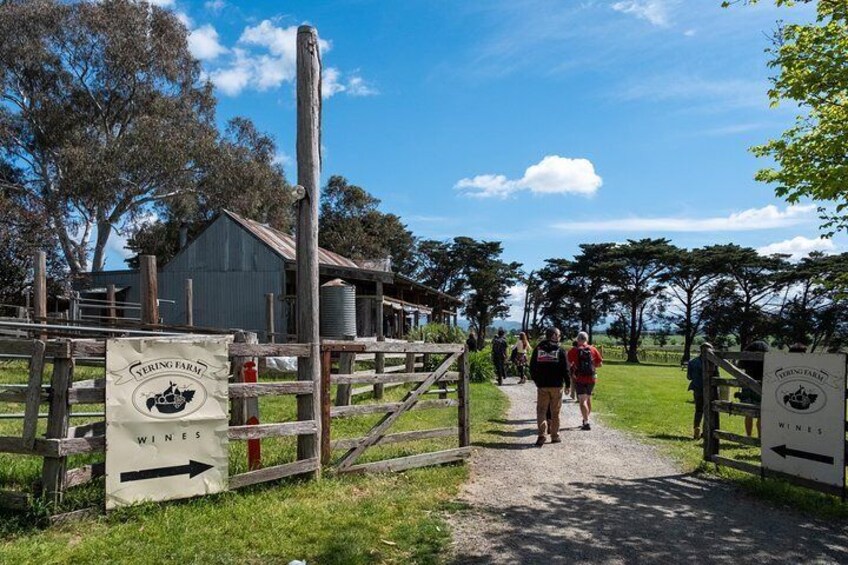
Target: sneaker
<point>556,439</point>
<point>540,442</point>
<point>586,427</point>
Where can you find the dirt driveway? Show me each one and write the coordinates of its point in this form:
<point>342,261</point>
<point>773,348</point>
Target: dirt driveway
<point>602,497</point>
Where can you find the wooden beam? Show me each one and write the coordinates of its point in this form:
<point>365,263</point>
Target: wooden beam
<point>33,393</point>
<point>391,378</point>
<point>308,63</point>
<point>54,468</point>
<point>400,347</point>
<point>737,373</point>
<point>269,317</point>
<point>736,438</point>
<point>464,395</point>
<point>388,408</point>
<point>189,302</point>
<point>84,474</point>
<point>255,390</point>
<point>260,431</point>
<point>39,287</point>
<point>301,467</point>
<point>111,312</point>
<point>149,288</point>
<point>737,408</point>
<point>411,462</point>
<point>401,437</point>
<point>346,362</point>
<point>300,350</point>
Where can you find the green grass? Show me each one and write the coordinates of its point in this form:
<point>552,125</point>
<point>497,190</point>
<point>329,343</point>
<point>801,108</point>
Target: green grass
<point>652,403</point>
<point>390,518</point>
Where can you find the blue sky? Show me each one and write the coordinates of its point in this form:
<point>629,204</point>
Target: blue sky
<point>538,123</point>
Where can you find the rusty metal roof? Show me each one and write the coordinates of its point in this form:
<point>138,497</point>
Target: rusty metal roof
<point>284,244</point>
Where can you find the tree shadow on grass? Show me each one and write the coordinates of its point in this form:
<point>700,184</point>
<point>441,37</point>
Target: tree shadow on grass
<point>667,519</point>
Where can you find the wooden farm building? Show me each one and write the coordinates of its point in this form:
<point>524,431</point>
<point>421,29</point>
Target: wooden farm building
<point>242,272</point>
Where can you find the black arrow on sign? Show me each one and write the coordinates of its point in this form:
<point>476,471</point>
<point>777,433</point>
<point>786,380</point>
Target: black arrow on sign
<point>193,469</point>
<point>785,452</point>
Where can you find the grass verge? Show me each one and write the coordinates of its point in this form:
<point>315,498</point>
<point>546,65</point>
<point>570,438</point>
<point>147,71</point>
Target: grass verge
<point>382,518</point>
<point>652,403</point>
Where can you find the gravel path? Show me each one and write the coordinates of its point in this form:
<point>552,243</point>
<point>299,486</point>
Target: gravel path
<point>601,496</point>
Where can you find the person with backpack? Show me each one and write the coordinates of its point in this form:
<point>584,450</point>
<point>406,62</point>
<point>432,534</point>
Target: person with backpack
<point>584,360</point>
<point>549,370</point>
<point>519,356</point>
<point>471,342</point>
<point>499,349</point>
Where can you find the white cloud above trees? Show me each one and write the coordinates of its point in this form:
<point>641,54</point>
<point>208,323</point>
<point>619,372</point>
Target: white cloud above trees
<point>752,219</point>
<point>798,247</point>
<point>204,44</point>
<point>552,175</point>
<point>654,11</point>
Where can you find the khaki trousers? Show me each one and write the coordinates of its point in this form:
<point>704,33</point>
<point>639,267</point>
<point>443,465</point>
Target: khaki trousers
<point>548,398</point>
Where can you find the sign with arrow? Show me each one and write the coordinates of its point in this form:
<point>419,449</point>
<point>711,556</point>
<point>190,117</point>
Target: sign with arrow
<point>803,415</point>
<point>167,413</point>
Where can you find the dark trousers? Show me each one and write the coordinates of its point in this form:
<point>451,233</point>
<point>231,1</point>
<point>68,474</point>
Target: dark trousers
<point>500,368</point>
<point>698,393</point>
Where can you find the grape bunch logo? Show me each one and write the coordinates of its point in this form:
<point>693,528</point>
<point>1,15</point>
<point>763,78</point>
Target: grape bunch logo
<point>803,390</point>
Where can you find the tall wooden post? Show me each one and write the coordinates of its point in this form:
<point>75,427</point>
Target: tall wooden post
<point>53,470</point>
<point>711,418</point>
<point>463,394</point>
<point>379,358</point>
<point>269,317</point>
<point>149,287</point>
<point>308,176</point>
<point>111,311</point>
<point>39,288</point>
<point>189,302</point>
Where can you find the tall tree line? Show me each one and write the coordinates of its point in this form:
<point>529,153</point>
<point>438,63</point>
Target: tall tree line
<point>729,294</point>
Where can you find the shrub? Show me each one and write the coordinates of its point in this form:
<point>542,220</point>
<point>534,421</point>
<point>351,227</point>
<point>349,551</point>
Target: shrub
<point>438,333</point>
<point>481,368</point>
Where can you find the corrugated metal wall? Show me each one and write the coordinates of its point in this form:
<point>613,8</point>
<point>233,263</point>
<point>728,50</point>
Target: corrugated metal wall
<point>232,271</point>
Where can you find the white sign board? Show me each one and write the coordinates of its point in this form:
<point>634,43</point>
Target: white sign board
<point>167,413</point>
<point>803,415</point>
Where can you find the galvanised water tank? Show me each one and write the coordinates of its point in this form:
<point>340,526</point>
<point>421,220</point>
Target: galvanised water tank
<point>338,310</point>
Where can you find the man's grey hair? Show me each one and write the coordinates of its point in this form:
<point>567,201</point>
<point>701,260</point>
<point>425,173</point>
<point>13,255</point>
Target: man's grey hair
<point>583,336</point>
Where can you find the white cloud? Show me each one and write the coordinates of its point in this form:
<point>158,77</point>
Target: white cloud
<point>163,3</point>
<point>767,217</point>
<point>551,175</point>
<point>203,43</point>
<point>265,57</point>
<point>654,11</point>
<point>214,5</point>
<point>690,32</point>
<point>516,302</point>
<point>798,247</point>
<point>184,19</point>
<point>700,91</point>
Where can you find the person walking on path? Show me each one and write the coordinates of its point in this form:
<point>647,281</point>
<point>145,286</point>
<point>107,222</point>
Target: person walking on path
<point>695,374</point>
<point>471,342</point>
<point>584,360</point>
<point>499,348</point>
<point>519,356</point>
<point>549,370</point>
<point>753,369</point>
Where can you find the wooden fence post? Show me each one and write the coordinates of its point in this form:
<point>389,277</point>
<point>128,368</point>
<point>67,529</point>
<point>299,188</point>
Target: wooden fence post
<point>33,394</point>
<point>189,302</point>
<point>343,391</point>
<point>53,471</point>
<point>463,392</point>
<point>308,176</point>
<point>711,417</point>
<point>242,409</point>
<point>111,311</point>
<point>269,317</point>
<point>326,414</point>
<point>39,288</point>
<point>149,287</point>
<point>379,358</point>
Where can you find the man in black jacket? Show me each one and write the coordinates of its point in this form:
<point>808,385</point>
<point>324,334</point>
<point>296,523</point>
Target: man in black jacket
<point>499,348</point>
<point>549,370</point>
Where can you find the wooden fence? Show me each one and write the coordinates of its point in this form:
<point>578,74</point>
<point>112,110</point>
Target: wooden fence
<point>354,448</point>
<point>714,406</point>
<point>60,393</point>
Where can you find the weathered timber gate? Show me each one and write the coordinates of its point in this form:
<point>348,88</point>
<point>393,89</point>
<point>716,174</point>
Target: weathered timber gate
<point>714,406</point>
<point>354,448</point>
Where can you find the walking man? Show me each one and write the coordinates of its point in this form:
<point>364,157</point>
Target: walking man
<point>499,348</point>
<point>549,370</point>
<point>584,360</point>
